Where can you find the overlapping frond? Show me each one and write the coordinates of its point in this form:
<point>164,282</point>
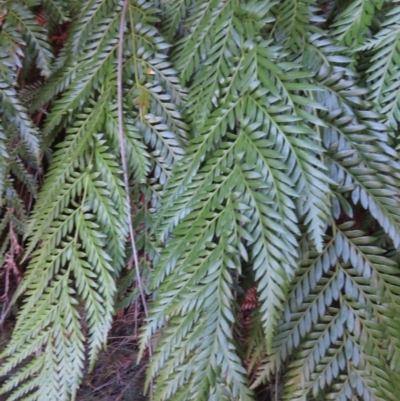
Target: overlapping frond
<point>286,119</point>
<point>78,229</point>
<point>13,112</point>
<point>17,115</point>
<point>208,267</point>
<point>384,70</point>
<point>93,20</point>
<point>21,38</point>
<point>174,13</point>
<point>155,91</point>
<point>361,163</point>
<point>335,326</point>
<point>257,145</point>
<point>73,259</point>
<point>294,21</point>
<point>35,38</point>
<point>241,186</point>
<point>58,10</point>
<point>351,25</point>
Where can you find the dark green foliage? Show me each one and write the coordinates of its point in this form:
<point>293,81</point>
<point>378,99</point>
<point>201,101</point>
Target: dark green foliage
<point>77,230</point>
<point>283,135</point>
<point>265,195</point>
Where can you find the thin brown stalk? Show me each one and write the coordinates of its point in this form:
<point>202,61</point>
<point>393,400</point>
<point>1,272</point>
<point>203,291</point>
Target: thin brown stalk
<point>124,162</point>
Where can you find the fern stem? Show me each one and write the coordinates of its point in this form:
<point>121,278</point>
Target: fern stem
<point>277,386</point>
<point>317,128</point>
<point>124,163</point>
<point>83,201</point>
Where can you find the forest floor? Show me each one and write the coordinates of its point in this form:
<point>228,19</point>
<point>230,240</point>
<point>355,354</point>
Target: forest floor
<point>116,376</point>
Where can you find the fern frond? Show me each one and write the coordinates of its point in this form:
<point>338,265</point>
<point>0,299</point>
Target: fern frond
<point>28,94</point>
<point>272,159</point>
<point>209,354</point>
<point>57,10</point>
<point>154,90</point>
<point>175,11</point>
<point>187,168</point>
<point>99,193</point>
<point>241,183</point>
<point>328,341</point>
<point>351,25</point>
<point>65,161</point>
<point>163,130</point>
<point>137,155</point>
<point>65,75</point>
<point>61,258</point>
<point>94,14</point>
<point>18,170</point>
<point>78,228</point>
<point>86,81</point>
<point>294,21</point>
<point>34,36</point>
<point>18,116</point>
<point>384,70</point>
<point>46,312</point>
<point>367,163</point>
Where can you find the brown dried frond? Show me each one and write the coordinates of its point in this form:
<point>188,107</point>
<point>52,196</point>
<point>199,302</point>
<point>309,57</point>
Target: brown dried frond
<point>16,248</point>
<point>41,18</point>
<point>251,300</point>
<point>59,40</point>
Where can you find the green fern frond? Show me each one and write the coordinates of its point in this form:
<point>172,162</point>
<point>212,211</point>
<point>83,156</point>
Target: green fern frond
<point>368,151</point>
<point>10,53</point>
<point>99,193</point>
<point>34,36</point>
<point>187,168</point>
<point>57,10</point>
<point>65,161</point>
<point>206,20</point>
<point>258,158</point>
<point>18,116</point>
<point>65,72</point>
<point>216,295</point>
<point>78,228</point>
<point>154,90</point>
<point>163,129</point>
<point>94,14</point>
<point>351,25</point>
<point>295,20</point>
<point>94,64</point>
<point>384,71</point>
<point>175,11</point>
<point>244,180</point>
<point>366,162</point>
<point>60,258</point>
<point>87,80</point>
<point>44,313</point>
<point>18,170</point>
<point>137,155</point>
<point>28,94</point>
<point>329,342</point>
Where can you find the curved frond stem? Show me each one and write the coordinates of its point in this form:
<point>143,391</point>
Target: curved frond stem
<point>124,161</point>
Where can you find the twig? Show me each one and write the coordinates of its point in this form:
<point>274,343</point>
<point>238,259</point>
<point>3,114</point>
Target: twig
<point>6,310</point>
<point>10,266</point>
<point>123,152</point>
<point>135,377</point>
<point>124,163</point>
<point>136,305</point>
